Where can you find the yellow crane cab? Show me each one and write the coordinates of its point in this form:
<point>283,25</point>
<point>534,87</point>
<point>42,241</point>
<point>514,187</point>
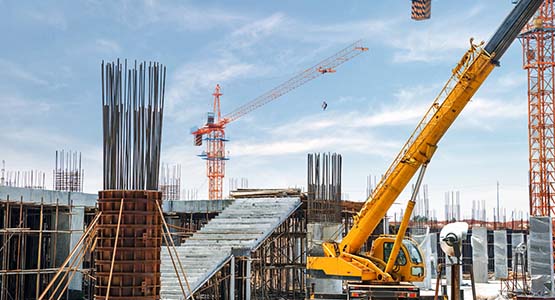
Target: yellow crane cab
<point>409,265</point>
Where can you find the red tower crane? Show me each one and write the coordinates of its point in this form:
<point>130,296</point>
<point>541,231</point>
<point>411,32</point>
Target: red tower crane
<point>538,45</point>
<point>213,132</point>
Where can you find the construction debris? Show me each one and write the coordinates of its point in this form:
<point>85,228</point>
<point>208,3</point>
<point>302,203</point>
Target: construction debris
<point>266,193</point>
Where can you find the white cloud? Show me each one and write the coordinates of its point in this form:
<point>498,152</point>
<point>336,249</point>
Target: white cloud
<point>183,15</point>
<point>489,109</point>
<point>9,69</point>
<point>34,136</point>
<point>363,143</point>
<point>351,99</point>
<point>263,37</point>
<point>11,105</point>
<point>108,46</point>
<point>252,32</point>
<point>406,108</point>
<point>394,116</point>
<point>349,131</point>
<point>189,91</point>
<point>430,41</point>
<point>49,17</point>
<point>488,113</point>
<point>427,42</point>
<point>319,132</point>
<point>432,44</point>
<point>511,80</point>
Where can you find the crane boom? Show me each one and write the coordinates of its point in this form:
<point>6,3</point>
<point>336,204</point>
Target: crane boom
<point>327,65</point>
<point>342,259</point>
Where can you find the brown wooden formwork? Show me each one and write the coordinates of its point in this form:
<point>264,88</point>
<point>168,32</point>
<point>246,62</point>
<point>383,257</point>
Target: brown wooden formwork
<point>136,271</point>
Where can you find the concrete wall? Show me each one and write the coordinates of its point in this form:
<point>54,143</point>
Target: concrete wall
<point>77,226</point>
<point>48,197</point>
<point>540,255</point>
<point>479,242</point>
<point>500,254</point>
<point>425,242</point>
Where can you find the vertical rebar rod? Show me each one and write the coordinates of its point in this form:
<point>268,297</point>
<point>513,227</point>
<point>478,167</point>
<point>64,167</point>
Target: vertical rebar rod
<point>132,122</point>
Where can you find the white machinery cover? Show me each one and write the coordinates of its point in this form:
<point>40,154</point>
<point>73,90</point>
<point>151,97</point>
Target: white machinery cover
<point>456,231</point>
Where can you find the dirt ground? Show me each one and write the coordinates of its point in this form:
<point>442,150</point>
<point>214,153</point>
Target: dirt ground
<point>484,291</point>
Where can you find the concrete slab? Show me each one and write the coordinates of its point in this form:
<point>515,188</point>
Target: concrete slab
<point>49,197</point>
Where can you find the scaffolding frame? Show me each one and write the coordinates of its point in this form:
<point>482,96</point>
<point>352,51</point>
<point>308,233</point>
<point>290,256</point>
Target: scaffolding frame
<point>31,239</point>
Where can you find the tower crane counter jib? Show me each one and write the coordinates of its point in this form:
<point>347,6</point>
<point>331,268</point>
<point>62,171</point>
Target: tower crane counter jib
<point>343,260</point>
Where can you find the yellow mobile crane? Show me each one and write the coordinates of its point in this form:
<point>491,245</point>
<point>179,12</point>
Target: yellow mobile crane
<point>394,259</point>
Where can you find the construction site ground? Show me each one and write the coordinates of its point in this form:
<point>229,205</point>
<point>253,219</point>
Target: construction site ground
<point>489,291</point>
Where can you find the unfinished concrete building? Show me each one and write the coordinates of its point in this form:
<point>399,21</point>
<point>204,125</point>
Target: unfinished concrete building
<point>38,230</point>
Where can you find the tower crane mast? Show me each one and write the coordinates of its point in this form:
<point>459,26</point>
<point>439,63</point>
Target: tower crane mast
<point>213,132</point>
<point>538,42</point>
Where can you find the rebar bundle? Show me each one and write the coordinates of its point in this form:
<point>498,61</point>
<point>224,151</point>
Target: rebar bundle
<point>170,183</point>
<point>68,174</point>
<point>238,183</point>
<point>132,110</point>
<point>33,179</point>
<point>324,187</point>
<point>324,176</point>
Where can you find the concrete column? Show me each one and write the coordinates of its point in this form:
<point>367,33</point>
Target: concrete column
<point>426,246</point>
<point>517,239</point>
<point>540,255</point>
<point>479,242</point>
<point>232,279</point>
<point>175,221</point>
<point>248,279</point>
<point>63,246</point>
<point>500,254</point>
<point>77,218</point>
<point>435,257</point>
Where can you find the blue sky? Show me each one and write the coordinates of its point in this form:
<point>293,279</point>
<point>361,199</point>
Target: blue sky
<point>50,88</point>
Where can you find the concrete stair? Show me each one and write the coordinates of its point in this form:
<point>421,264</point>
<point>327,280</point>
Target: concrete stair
<point>244,224</point>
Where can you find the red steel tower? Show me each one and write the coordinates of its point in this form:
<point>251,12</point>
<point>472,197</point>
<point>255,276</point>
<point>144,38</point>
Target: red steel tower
<point>538,60</point>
